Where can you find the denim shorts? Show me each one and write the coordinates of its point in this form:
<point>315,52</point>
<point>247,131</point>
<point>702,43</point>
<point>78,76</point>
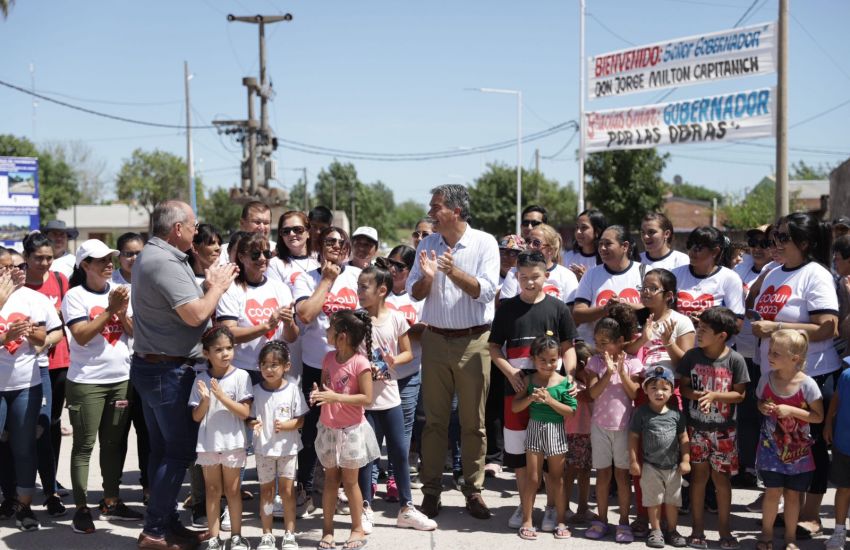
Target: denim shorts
<point>794,482</point>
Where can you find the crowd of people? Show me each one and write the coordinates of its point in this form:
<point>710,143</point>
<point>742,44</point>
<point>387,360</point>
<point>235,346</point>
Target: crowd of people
<point>676,375</point>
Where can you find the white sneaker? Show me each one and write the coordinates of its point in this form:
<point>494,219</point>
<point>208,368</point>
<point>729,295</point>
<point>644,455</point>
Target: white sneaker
<point>238,542</point>
<point>225,519</point>
<point>368,512</point>
<point>267,542</point>
<point>837,540</point>
<point>414,519</point>
<point>277,507</point>
<point>367,524</point>
<point>549,519</point>
<point>342,503</point>
<point>289,542</point>
<point>515,521</point>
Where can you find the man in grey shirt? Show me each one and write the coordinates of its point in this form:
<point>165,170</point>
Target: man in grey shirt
<point>170,313</point>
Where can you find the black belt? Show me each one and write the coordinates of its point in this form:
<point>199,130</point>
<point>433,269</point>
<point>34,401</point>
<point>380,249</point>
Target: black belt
<point>459,332</point>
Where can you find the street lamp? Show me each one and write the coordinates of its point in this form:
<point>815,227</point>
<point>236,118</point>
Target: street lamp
<point>518,94</point>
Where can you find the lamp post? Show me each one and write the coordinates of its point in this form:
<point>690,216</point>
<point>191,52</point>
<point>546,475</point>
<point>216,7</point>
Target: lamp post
<point>518,94</point>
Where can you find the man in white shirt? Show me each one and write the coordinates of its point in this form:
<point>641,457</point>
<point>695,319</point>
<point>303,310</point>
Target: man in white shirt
<point>457,276</point>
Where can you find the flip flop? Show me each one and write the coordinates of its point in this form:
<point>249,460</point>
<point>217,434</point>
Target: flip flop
<point>355,544</point>
<point>527,533</point>
<point>562,532</point>
<point>729,543</point>
<point>596,531</point>
<point>325,545</point>
<point>698,542</point>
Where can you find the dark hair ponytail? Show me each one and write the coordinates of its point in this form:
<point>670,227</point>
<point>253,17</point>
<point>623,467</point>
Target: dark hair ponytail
<point>619,321</point>
<point>357,325</point>
<point>78,277</point>
<point>278,348</point>
<point>712,237</point>
<point>811,236</point>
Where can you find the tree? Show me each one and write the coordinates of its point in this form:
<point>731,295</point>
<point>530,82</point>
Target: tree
<point>408,213</point>
<point>296,196</point>
<point>148,178</point>
<point>755,208</point>
<point>221,211</point>
<point>87,168</point>
<point>625,185</point>
<point>802,171</point>
<point>493,199</point>
<point>694,192</point>
<point>57,182</point>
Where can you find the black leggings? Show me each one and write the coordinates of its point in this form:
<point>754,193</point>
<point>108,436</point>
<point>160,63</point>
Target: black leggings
<point>57,383</point>
<point>307,455</point>
<point>826,383</point>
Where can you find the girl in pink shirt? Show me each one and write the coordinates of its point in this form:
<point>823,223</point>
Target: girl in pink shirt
<point>345,441</point>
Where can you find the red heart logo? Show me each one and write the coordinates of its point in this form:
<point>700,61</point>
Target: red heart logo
<point>772,300</point>
<point>259,314</point>
<point>12,346</point>
<point>552,290</point>
<point>113,329</point>
<point>407,310</point>
<point>292,276</point>
<point>346,298</point>
<point>630,295</point>
<point>687,304</point>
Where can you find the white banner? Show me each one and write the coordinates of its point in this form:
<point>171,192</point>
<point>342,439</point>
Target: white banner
<point>696,59</point>
<point>720,118</point>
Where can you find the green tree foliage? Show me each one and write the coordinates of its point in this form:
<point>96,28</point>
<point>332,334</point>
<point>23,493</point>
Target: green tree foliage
<point>5,5</point>
<point>57,181</point>
<point>296,196</point>
<point>756,207</point>
<point>694,192</point>
<point>802,171</point>
<point>221,211</point>
<point>493,198</point>
<point>626,184</point>
<point>408,213</point>
<point>147,178</point>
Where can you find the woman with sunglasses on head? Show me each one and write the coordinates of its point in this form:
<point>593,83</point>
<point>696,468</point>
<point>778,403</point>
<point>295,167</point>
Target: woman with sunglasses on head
<point>585,254</point>
<point>329,288</point>
<point>707,280</point>
<point>561,282</point>
<point>801,295</point>
<point>656,232</point>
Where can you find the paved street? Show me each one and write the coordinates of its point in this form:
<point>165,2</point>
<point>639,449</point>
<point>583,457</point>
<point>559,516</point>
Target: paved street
<point>457,529</point>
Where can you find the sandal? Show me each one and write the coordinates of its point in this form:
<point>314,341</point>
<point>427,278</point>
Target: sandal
<point>597,530</point>
<point>698,542</point>
<point>676,540</point>
<point>326,545</point>
<point>764,545</point>
<point>624,534</point>
<point>355,544</point>
<point>640,528</point>
<point>561,532</point>
<point>655,539</point>
<point>729,543</point>
<point>527,533</point>
<point>585,517</point>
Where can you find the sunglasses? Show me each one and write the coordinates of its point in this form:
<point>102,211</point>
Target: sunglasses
<point>330,242</point>
<point>129,254</point>
<point>753,242</point>
<point>296,229</point>
<point>255,254</point>
<point>536,243</point>
<point>387,263</point>
<point>420,234</point>
<point>509,252</point>
<point>530,223</point>
<point>781,237</point>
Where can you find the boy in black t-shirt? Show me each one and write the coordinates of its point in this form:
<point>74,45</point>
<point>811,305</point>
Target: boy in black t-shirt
<point>518,321</point>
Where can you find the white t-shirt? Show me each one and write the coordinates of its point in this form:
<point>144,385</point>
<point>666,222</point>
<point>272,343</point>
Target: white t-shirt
<point>745,342</point>
<point>721,288</point>
<point>64,264</point>
<point>220,429</point>
<point>579,258</point>
<point>105,359</point>
<point>600,284</point>
<point>411,310</point>
<point>793,296</point>
<point>286,403</point>
<point>342,295</point>
<point>385,337</point>
<point>249,307</point>
<point>669,261</point>
<point>18,368</point>
<point>655,352</point>
<point>561,284</point>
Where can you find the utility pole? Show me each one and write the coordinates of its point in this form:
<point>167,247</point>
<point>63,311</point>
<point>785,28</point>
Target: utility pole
<point>782,206</point>
<point>34,102</point>
<point>190,163</point>
<point>353,207</point>
<point>537,175</point>
<point>581,91</point>
<point>306,192</point>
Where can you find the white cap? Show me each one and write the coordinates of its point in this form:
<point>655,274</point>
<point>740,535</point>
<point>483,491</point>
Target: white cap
<point>366,231</point>
<point>93,248</point>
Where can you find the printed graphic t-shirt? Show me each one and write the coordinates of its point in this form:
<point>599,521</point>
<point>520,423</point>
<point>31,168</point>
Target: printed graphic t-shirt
<point>785,444</point>
<point>718,375</point>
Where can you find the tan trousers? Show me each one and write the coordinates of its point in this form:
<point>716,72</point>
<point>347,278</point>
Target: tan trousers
<point>449,366</point>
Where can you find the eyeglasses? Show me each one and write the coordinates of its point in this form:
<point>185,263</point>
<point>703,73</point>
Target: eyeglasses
<point>781,237</point>
<point>296,229</point>
<point>389,264</point>
<point>531,223</point>
<point>753,242</point>
<point>330,242</point>
<point>255,254</point>
<point>22,266</point>
<point>129,253</point>
<point>420,234</point>
<point>652,290</point>
<point>537,243</point>
<point>509,252</point>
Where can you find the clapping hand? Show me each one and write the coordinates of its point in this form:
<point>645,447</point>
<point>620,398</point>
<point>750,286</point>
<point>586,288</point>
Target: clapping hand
<point>320,397</point>
<point>202,390</point>
<point>428,264</point>
<point>665,331</point>
<point>216,389</point>
<point>119,298</point>
<point>445,262</point>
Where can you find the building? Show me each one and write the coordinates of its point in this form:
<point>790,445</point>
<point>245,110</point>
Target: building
<point>103,221</point>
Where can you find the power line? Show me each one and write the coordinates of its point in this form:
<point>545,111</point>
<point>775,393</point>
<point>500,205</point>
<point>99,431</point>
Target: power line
<point>562,149</point>
<point>110,102</point>
<point>822,113</point>
<point>604,26</point>
<point>824,50</point>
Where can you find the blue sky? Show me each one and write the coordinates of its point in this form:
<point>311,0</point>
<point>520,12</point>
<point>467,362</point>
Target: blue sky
<point>390,77</point>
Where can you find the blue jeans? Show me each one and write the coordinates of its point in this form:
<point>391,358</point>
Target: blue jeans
<point>19,414</point>
<point>164,390</point>
<point>389,423</point>
<point>44,444</point>
<point>408,389</point>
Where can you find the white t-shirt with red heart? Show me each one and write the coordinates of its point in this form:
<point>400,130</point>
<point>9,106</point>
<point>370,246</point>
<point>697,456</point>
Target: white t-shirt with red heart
<point>793,296</point>
<point>105,359</point>
<point>342,295</point>
<point>600,284</point>
<point>561,283</point>
<point>411,310</point>
<point>695,293</point>
<point>18,369</point>
<point>250,306</point>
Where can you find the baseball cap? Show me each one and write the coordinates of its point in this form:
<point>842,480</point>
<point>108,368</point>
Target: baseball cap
<point>512,242</point>
<point>366,231</point>
<point>93,248</point>
<point>657,372</point>
<point>843,220</point>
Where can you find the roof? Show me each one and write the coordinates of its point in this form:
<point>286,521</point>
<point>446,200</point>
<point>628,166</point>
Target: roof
<point>104,216</point>
<point>808,189</point>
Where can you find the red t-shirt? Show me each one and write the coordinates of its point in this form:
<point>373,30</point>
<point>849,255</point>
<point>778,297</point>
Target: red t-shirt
<point>60,355</point>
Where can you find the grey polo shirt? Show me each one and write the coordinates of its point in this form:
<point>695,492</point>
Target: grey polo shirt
<point>162,281</point>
